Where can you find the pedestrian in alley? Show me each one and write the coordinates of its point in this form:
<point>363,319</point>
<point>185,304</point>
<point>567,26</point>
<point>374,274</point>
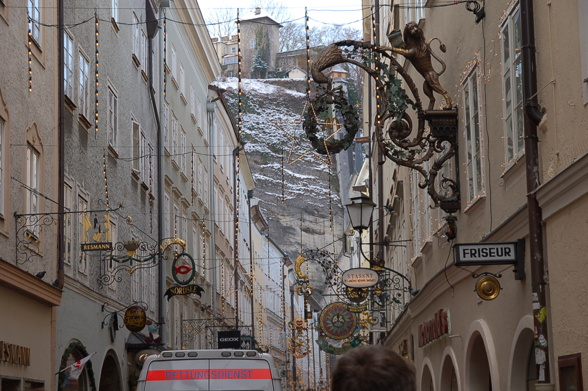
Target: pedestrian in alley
<point>373,368</point>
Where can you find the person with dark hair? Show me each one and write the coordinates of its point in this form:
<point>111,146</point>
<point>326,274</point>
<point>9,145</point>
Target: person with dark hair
<point>373,367</point>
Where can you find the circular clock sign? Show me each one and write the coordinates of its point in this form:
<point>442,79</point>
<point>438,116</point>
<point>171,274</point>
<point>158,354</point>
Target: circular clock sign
<point>337,322</point>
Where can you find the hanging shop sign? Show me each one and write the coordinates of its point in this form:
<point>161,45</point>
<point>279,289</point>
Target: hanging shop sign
<point>487,253</point>
<point>356,295</point>
<point>135,318</point>
<point>177,290</point>
<point>434,328</point>
<point>96,233</point>
<point>360,278</point>
<point>183,268</point>
<point>229,339</point>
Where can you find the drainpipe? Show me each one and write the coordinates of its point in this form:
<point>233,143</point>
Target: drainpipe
<point>60,149</point>
<point>161,304</point>
<point>533,116</point>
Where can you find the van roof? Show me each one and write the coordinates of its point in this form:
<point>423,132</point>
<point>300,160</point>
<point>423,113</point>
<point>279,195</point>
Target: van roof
<point>208,354</point>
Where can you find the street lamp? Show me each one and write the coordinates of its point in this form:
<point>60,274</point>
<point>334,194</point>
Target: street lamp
<point>360,212</point>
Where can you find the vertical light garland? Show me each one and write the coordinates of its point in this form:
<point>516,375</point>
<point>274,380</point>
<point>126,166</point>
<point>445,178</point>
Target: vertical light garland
<point>238,167</point>
<point>151,196</point>
<point>192,177</point>
<point>307,31</point>
<point>97,73</point>
<point>203,237</point>
<point>283,178</point>
<point>239,74</point>
<point>376,65</point>
<point>222,288</point>
<point>330,198</point>
<point>105,181</point>
<point>30,51</point>
<point>164,54</point>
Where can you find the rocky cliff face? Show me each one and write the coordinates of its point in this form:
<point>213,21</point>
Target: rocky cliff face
<point>292,181</point>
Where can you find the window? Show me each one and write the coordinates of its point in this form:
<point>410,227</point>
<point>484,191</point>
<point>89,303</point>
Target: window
<point>83,226</point>
<point>2,164</point>
<point>136,40</point>
<point>174,138</point>
<point>68,229</point>
<point>166,125</point>
<point>166,215</point>
<point>35,22</point>
<point>183,157</point>
<point>181,80</point>
<point>512,86</point>
<point>112,237</point>
<point>414,10</point>
<point>252,44</point>
<point>144,50</point>
<point>473,135</point>
<point>145,153</point>
<point>136,147</point>
<point>583,15</point>
<point>193,103</point>
<point>112,117</point>
<point>84,91</point>
<point>114,14</point>
<point>32,181</point>
<point>172,62</point>
<point>68,64</point>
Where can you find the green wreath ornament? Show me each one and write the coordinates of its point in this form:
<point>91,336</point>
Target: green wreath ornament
<point>80,348</point>
<point>320,104</point>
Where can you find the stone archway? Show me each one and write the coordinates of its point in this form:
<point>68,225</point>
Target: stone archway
<point>522,364</point>
<point>449,380</point>
<point>478,367</point>
<point>427,383</point>
<point>110,377</point>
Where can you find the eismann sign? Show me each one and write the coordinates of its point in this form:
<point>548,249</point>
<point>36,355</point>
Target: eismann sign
<point>360,278</point>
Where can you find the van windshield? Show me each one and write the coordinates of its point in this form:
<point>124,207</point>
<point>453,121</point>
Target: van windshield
<point>213,374</point>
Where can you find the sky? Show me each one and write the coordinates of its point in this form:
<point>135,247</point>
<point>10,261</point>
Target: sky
<point>320,12</point>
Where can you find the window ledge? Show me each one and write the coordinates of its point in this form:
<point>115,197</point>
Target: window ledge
<point>135,60</point>
<point>183,98</point>
<point>112,151</point>
<point>144,75</point>
<point>193,118</point>
<point>135,174</point>
<point>473,203</point>
<point>114,25</point>
<point>70,104</point>
<point>84,121</point>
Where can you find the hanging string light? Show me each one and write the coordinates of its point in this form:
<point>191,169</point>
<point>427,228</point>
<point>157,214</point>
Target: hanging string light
<point>307,29</point>
<point>192,177</point>
<point>97,74</point>
<point>164,54</point>
<point>330,199</point>
<point>151,196</point>
<point>30,52</point>
<point>105,180</point>
<point>239,74</point>
<point>222,287</point>
<point>203,234</point>
<point>283,178</point>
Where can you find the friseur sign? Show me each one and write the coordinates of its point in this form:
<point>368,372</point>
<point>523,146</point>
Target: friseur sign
<point>486,253</point>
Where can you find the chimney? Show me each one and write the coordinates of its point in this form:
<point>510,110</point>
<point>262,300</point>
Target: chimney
<point>257,10</point>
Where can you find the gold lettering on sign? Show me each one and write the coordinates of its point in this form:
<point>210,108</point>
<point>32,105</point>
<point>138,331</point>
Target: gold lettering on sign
<point>14,354</point>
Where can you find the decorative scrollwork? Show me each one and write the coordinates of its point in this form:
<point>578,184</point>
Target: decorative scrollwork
<point>29,228</point>
<point>403,139</point>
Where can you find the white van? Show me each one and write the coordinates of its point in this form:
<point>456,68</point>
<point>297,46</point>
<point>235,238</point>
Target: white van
<point>190,370</point>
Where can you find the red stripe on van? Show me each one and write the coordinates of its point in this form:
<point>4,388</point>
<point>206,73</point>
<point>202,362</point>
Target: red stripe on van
<point>212,374</point>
